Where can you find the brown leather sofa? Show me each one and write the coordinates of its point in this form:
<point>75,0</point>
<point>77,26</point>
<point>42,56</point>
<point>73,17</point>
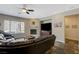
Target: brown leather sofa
<point>35,46</point>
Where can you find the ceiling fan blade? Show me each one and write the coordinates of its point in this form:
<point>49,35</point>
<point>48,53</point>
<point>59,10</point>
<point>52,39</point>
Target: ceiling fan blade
<point>31,10</point>
<point>27,12</point>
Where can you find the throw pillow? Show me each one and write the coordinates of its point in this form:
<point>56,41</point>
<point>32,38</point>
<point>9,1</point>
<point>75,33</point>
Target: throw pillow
<point>1,36</point>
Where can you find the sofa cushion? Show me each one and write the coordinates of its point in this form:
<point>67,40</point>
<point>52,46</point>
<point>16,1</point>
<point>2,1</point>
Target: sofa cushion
<point>19,42</point>
<point>1,36</point>
<point>43,38</point>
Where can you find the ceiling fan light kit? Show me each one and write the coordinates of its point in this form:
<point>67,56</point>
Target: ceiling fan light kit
<point>23,10</point>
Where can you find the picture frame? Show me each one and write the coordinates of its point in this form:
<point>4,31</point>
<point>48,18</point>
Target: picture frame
<point>58,24</point>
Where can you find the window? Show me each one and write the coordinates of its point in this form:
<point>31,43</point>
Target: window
<point>22,27</point>
<point>6,26</point>
<point>13,26</point>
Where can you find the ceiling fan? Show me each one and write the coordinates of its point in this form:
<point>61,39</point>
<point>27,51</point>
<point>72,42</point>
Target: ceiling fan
<point>26,10</point>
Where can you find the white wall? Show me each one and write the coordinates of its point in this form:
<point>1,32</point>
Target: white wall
<point>28,25</point>
<point>47,21</point>
<point>7,17</point>
<point>58,31</point>
<point>34,26</point>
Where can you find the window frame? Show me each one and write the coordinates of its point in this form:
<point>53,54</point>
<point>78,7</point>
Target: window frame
<point>19,26</point>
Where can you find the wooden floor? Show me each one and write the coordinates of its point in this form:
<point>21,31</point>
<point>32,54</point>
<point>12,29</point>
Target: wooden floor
<point>57,49</point>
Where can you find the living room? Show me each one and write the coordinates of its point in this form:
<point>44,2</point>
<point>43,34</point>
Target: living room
<point>34,22</point>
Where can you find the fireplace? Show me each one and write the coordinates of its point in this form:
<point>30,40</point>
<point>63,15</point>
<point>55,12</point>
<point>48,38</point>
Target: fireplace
<point>33,31</point>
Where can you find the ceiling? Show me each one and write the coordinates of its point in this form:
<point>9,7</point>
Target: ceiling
<point>41,10</point>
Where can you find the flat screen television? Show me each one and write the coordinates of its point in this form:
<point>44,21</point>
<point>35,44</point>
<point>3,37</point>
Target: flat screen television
<point>33,31</point>
<point>46,27</point>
